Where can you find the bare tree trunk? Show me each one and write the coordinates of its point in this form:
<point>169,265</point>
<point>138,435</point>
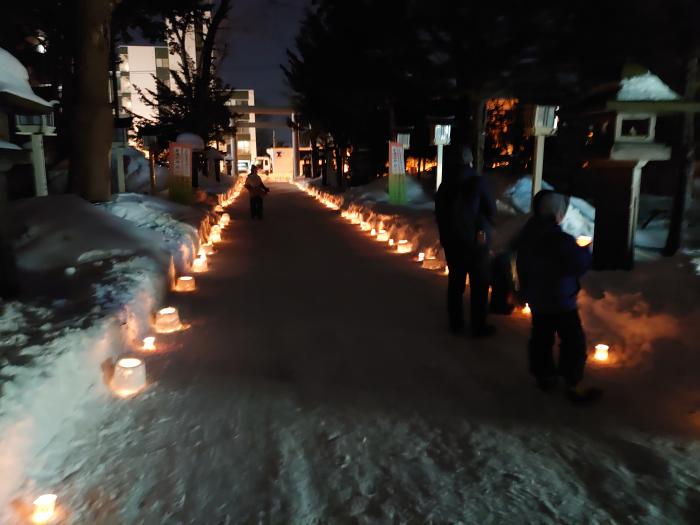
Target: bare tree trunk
<point>339,164</point>
<point>683,194</point>
<point>92,124</point>
<point>480,135</point>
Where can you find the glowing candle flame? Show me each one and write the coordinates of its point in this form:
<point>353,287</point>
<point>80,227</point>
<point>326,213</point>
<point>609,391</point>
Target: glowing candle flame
<point>526,309</point>
<point>404,247</point>
<point>601,352</point>
<point>149,343</point>
<point>584,240</point>
<point>199,265</point>
<point>44,508</point>
<point>373,232</point>
<point>421,257</point>
<point>167,320</point>
<point>391,242</point>
<point>219,208</point>
<point>129,377</point>
<point>186,283</point>
<point>383,236</point>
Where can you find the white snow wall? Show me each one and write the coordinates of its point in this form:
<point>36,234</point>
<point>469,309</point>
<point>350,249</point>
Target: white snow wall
<point>48,392</point>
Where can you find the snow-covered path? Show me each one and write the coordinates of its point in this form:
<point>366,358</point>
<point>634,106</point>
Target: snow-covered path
<point>316,384</point>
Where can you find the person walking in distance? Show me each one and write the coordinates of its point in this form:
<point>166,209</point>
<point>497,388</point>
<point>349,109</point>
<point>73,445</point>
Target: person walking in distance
<point>464,210</point>
<point>550,263</point>
<point>257,191</point>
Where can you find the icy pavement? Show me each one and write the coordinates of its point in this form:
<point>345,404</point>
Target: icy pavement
<point>316,384</point>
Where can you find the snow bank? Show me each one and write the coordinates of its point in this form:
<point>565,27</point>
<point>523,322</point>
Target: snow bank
<point>93,275</point>
<point>579,219</point>
<point>137,172</point>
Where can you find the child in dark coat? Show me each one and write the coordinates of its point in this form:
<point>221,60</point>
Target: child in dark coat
<point>550,263</point>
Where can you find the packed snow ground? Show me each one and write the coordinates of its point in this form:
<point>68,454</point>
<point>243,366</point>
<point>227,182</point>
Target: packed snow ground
<point>316,384</point>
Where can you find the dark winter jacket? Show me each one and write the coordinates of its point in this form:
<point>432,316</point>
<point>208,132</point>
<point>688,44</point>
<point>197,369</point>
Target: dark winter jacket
<point>463,207</point>
<point>549,265</point>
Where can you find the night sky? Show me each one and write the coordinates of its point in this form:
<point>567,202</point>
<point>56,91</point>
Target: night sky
<point>260,31</point>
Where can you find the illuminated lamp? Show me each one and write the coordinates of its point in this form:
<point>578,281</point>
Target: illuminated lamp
<point>404,247</point>
<point>215,234</point>
<point>186,283</point>
<point>225,220</point>
<point>208,248</point>
<point>167,320</point>
<point>526,309</point>
<point>149,343</point>
<point>382,236</point>
<point>584,240</point>
<point>432,263</point>
<point>129,377</point>
<point>365,226</point>
<point>421,257</point>
<point>391,242</point>
<point>44,508</point>
<point>199,265</point>
<point>601,352</point>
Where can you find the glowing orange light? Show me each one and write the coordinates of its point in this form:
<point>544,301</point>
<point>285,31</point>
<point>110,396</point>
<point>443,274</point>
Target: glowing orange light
<point>186,283</point>
<point>168,320</point>
<point>44,508</point>
<point>584,240</point>
<point>149,343</point>
<point>601,352</point>
<point>200,265</point>
<point>129,377</point>
<point>526,309</point>
<point>421,257</point>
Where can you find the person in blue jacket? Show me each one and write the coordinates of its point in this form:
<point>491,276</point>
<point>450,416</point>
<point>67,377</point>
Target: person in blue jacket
<point>549,264</point>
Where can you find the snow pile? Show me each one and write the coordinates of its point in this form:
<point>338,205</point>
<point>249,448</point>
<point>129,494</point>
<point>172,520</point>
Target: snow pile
<point>579,219</point>
<point>178,225</point>
<point>378,192</point>
<point>645,87</point>
<point>137,172</point>
<point>94,274</point>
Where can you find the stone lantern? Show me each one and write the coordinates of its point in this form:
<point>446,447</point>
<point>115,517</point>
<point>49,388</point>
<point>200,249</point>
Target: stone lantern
<point>628,125</point>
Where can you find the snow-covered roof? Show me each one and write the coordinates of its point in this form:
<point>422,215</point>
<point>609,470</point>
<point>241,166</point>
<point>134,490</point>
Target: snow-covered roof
<point>645,87</point>
<point>15,91</point>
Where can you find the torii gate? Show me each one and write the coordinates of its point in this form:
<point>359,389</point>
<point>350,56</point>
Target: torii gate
<point>259,110</point>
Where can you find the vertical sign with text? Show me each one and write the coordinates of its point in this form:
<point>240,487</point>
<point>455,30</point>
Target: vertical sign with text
<point>180,179</point>
<point>397,174</point>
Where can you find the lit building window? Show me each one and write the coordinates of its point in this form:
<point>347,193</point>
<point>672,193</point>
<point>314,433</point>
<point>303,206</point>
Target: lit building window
<point>244,146</point>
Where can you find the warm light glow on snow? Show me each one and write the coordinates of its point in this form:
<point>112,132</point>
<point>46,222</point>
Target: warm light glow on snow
<point>129,377</point>
<point>168,320</point>
<point>432,263</point>
<point>208,248</point>
<point>225,220</point>
<point>526,309</point>
<point>601,352</point>
<point>373,232</point>
<point>215,234</point>
<point>219,208</point>
<point>383,236</point>
<point>44,508</point>
<point>584,240</point>
<point>404,247</point>
<point>199,265</point>
<point>365,226</point>
<point>186,283</point>
<point>421,257</point>
<point>149,343</point>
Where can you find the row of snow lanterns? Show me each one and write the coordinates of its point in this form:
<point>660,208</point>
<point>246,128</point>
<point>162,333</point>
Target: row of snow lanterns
<point>130,372</point>
<point>427,260</point>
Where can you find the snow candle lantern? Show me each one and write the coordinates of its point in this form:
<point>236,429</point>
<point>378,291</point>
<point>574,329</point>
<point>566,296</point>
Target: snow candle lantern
<point>356,219</point>
<point>404,247</point>
<point>225,220</point>
<point>584,240</point>
<point>526,309</point>
<point>601,352</point>
<point>44,508</point>
<point>421,257</point>
<point>391,242</point>
<point>186,283</point>
<point>219,208</point>
<point>129,377</point>
<point>432,263</point>
<point>167,320</point>
<point>215,234</point>
<point>149,343</point>
<point>373,232</point>
<point>365,226</point>
<point>383,236</point>
<point>200,265</point>
<point>208,248</point>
